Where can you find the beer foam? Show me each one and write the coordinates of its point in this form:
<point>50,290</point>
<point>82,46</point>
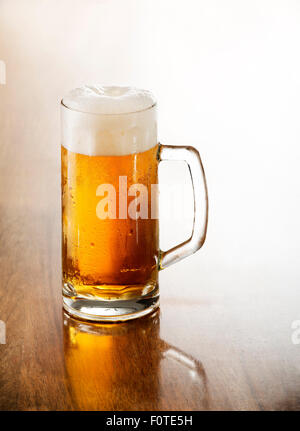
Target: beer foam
<point>108,120</point>
<point>94,99</point>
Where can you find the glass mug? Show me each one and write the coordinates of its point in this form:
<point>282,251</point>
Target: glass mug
<point>110,234</point>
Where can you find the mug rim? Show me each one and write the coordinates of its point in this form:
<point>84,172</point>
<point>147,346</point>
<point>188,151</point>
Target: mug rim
<point>106,114</point>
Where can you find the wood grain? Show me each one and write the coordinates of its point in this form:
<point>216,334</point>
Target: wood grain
<point>222,338</point>
<point>195,354</point>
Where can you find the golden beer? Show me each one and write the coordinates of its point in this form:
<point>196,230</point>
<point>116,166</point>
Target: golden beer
<point>99,359</point>
<point>107,258</point>
<point>109,178</point>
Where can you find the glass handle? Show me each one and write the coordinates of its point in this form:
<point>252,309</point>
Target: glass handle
<point>192,157</point>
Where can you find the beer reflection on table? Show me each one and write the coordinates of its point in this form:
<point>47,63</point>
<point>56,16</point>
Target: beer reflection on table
<point>126,366</point>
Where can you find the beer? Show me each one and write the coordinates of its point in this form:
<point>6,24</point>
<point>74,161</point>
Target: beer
<point>112,257</point>
<point>109,177</point>
<point>110,250</point>
<point>99,359</point>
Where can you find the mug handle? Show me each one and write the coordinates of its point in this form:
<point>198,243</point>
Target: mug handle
<point>192,157</point>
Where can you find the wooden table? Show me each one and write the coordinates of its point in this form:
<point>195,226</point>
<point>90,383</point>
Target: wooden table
<point>217,343</point>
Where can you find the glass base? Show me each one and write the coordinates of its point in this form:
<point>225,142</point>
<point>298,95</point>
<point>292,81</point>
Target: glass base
<point>114,310</point>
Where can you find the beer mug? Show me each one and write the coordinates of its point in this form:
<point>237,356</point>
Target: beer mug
<point>110,233</point>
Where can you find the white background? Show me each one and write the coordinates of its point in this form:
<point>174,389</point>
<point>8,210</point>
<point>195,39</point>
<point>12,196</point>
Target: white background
<point>226,74</point>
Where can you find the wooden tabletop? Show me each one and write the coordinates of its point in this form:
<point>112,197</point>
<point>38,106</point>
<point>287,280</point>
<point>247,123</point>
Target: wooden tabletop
<point>219,341</point>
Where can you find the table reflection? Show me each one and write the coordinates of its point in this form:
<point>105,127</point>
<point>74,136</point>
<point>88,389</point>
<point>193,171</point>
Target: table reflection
<point>126,366</point>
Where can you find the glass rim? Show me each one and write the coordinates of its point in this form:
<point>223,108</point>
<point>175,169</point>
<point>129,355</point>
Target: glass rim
<point>106,114</point>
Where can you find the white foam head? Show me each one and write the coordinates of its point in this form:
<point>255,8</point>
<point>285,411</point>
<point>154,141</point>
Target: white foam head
<point>108,120</point>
